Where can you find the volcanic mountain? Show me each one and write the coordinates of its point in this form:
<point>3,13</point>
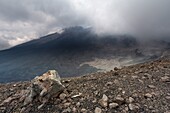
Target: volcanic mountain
<point>74,52</point>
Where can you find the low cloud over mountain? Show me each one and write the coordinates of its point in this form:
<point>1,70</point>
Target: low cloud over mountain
<point>29,19</point>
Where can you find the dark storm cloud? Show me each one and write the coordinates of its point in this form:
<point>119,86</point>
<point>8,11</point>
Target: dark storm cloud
<point>23,20</point>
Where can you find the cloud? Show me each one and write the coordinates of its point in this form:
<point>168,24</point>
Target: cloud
<point>4,44</point>
<point>24,20</point>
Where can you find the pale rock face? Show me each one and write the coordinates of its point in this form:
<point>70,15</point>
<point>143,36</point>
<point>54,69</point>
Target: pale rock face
<point>44,87</point>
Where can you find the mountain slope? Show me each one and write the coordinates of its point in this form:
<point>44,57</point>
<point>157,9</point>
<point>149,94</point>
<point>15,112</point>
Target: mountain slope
<point>76,51</point>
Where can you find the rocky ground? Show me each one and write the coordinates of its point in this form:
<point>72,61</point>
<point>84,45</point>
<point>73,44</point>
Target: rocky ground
<point>142,88</point>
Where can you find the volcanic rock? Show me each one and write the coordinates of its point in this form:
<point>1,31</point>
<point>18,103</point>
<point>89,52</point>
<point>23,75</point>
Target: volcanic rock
<point>43,87</point>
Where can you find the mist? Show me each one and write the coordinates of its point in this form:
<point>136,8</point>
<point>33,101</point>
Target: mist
<point>22,21</point>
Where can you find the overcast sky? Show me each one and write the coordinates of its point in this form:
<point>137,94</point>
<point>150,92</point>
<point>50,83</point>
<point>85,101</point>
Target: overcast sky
<point>23,20</point>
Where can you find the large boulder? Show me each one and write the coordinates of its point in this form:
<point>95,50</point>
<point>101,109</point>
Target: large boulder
<point>43,87</point>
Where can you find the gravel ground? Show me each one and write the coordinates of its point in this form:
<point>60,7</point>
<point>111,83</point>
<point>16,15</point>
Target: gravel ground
<point>141,88</point>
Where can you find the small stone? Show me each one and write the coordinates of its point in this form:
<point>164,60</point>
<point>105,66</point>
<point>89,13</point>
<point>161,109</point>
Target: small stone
<point>119,100</point>
<point>165,79</point>
<point>151,107</point>
<point>133,107</point>
<point>147,75</point>
<point>95,100</point>
<point>136,72</point>
<point>135,95</point>
<point>130,100</point>
<point>141,81</point>
<point>123,92</point>
<point>104,101</point>
<point>98,110</point>
<point>105,98</point>
<point>2,108</point>
<point>116,68</point>
<point>68,110</point>
<point>116,82</point>
<point>120,89</point>
<point>113,105</point>
<point>166,74</point>
<point>109,83</point>
<point>74,110</point>
<point>23,110</point>
<point>155,93</point>
<point>134,77</point>
<point>78,104</point>
<point>83,110</point>
<point>39,107</point>
<point>148,95</point>
<point>115,73</point>
<point>167,112</point>
<point>62,96</point>
<point>75,96</point>
<point>66,81</point>
<point>8,100</point>
<point>14,85</point>
<point>69,100</point>
<point>151,86</point>
<point>96,92</point>
<point>67,104</point>
<point>167,97</point>
<point>126,109</point>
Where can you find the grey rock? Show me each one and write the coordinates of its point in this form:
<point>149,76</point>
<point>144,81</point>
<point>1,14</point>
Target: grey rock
<point>104,101</point>
<point>147,75</point>
<point>165,79</point>
<point>67,104</point>
<point>74,110</point>
<point>116,82</point>
<point>44,87</point>
<point>113,105</point>
<point>39,107</point>
<point>167,97</point>
<point>133,107</point>
<point>83,110</point>
<point>98,110</point>
<point>148,95</point>
<point>130,100</point>
<point>68,110</point>
<point>119,100</point>
<point>78,104</point>
<point>8,100</point>
<point>109,83</point>
<point>62,96</point>
<point>151,86</point>
<point>151,107</point>
<point>167,112</point>
<point>75,96</point>
<point>134,77</point>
